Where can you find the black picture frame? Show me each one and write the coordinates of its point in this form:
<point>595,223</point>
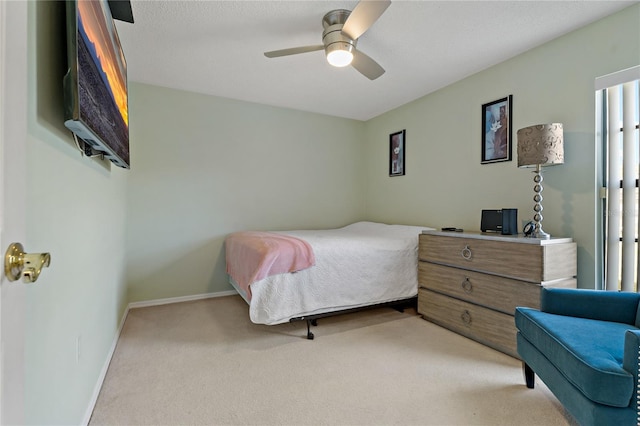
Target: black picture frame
<point>397,153</point>
<point>496,130</point>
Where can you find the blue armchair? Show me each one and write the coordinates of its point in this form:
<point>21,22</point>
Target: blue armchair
<point>585,346</point>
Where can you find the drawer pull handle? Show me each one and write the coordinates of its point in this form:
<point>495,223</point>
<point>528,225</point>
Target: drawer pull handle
<point>466,252</point>
<point>466,317</point>
<point>466,285</point>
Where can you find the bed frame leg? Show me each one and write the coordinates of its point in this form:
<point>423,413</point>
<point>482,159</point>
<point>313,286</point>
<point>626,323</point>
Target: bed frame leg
<point>309,333</point>
<point>412,303</point>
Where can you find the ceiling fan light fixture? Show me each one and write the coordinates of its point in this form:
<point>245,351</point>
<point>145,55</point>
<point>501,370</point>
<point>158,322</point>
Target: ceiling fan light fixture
<point>341,30</point>
<point>339,54</point>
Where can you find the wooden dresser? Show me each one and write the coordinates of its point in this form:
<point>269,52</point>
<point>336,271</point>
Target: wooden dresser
<point>471,283</point>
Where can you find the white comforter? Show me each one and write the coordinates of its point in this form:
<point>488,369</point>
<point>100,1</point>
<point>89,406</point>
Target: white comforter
<point>361,264</point>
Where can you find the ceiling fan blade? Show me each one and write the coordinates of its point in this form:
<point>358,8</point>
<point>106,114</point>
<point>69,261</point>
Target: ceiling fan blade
<point>366,66</point>
<point>365,14</point>
<point>293,51</point>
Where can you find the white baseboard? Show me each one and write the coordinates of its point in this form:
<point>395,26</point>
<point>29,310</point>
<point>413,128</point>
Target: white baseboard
<point>103,372</point>
<point>157,302</point>
<point>134,305</point>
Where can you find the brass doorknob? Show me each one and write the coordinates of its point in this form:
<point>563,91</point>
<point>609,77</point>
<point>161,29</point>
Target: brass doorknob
<point>18,264</point>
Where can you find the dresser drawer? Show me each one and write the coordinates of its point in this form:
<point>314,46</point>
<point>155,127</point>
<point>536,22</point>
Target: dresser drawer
<point>502,294</point>
<point>489,327</point>
<point>528,262</point>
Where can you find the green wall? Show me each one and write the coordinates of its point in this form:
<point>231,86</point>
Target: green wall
<point>203,167</point>
<point>75,211</point>
<point>445,183</point>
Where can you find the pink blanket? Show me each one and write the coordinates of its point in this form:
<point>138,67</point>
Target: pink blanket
<point>252,256</point>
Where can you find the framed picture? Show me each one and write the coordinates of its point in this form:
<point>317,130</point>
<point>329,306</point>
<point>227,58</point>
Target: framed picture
<point>397,151</point>
<point>496,130</point>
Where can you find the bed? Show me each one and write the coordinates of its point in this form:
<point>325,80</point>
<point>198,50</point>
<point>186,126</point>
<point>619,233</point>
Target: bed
<point>364,264</point>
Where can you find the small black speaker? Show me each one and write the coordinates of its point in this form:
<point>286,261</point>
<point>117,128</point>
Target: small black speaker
<point>491,221</point>
<point>504,221</point>
<point>509,221</point>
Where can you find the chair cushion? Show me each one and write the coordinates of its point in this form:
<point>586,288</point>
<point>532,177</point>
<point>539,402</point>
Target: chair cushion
<point>588,352</point>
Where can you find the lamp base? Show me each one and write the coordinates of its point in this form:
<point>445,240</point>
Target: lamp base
<point>540,234</point>
<point>537,218</point>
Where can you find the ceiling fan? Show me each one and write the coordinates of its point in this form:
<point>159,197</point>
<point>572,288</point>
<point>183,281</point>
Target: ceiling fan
<point>342,29</point>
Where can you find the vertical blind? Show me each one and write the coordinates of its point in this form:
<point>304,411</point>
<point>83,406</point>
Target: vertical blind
<point>622,150</point>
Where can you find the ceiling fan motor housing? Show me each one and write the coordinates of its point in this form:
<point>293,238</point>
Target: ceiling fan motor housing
<point>332,36</point>
<point>338,16</point>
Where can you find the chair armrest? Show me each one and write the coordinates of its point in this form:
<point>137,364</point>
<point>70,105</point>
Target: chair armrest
<point>595,304</point>
<point>631,358</point>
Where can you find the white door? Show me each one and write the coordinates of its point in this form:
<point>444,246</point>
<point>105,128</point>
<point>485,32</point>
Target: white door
<point>13,139</point>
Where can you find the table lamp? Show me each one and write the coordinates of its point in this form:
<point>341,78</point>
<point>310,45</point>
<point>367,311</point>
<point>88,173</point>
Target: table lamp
<point>539,146</point>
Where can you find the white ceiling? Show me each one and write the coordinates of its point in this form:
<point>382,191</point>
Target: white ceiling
<point>216,47</point>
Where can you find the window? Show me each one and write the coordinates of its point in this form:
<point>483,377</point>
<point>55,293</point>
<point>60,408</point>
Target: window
<point>619,102</point>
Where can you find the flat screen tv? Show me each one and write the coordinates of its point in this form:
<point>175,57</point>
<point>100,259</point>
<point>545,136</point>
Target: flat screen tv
<point>95,87</point>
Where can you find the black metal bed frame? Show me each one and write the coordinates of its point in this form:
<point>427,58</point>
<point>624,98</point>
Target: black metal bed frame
<point>398,305</point>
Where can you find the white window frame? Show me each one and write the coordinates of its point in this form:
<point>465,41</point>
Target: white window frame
<point>623,252</point>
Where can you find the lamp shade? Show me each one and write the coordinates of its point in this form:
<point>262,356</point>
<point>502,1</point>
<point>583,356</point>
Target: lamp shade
<point>541,144</point>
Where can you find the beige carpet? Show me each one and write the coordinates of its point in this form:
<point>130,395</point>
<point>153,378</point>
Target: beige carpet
<point>204,362</point>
